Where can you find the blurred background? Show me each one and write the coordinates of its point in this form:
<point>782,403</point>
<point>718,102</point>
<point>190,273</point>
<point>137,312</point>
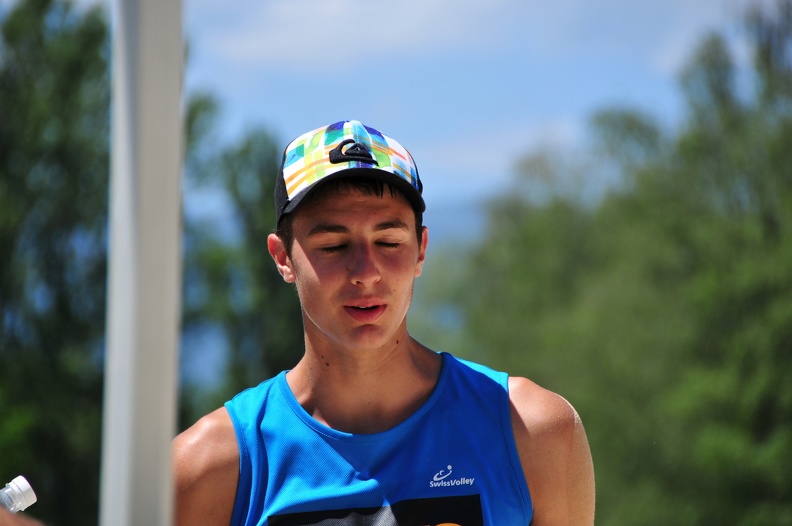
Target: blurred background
<point>609,192</point>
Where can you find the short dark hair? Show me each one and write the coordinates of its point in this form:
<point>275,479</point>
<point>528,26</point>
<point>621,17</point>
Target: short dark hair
<point>364,185</point>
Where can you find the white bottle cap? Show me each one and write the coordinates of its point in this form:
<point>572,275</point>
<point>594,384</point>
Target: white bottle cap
<point>26,494</point>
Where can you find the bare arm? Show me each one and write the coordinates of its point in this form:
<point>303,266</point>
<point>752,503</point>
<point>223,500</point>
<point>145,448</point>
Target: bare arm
<point>206,471</point>
<point>555,455</point>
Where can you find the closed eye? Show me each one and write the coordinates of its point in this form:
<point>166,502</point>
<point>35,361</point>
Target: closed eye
<point>389,245</point>
<point>332,249</point>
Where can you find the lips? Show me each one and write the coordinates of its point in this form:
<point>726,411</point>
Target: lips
<point>365,313</point>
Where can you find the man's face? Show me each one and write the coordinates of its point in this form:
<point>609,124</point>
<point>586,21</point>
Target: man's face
<point>354,260</point>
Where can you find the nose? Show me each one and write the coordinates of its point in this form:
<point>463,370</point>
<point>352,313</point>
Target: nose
<point>363,268</point>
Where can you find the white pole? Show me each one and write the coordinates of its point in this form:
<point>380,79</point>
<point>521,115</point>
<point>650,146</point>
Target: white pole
<point>144,284</point>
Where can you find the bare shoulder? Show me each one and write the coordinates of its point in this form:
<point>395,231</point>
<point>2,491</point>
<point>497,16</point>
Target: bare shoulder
<point>554,454</point>
<point>542,411</point>
<point>206,471</point>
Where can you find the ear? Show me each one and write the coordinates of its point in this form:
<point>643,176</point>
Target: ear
<point>277,250</point>
<point>422,252</point>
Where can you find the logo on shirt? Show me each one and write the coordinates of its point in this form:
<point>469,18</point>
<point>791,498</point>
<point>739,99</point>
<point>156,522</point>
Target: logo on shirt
<point>443,479</point>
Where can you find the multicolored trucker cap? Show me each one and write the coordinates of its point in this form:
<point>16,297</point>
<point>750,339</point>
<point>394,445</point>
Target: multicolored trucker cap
<point>344,149</point>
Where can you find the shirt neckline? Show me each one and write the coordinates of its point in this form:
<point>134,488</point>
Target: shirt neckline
<point>394,432</point>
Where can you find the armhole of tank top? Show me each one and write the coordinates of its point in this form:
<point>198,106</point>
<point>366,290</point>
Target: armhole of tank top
<point>244,484</point>
<point>511,446</point>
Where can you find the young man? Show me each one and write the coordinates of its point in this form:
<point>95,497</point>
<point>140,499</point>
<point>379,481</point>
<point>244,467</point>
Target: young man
<point>372,427</point>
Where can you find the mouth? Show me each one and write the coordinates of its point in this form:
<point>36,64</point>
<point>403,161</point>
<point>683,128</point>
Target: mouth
<point>365,313</point>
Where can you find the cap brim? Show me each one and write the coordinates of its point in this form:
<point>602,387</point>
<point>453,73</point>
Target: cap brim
<point>409,191</point>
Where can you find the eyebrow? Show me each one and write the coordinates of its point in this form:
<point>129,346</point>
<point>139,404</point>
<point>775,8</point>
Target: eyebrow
<point>330,228</point>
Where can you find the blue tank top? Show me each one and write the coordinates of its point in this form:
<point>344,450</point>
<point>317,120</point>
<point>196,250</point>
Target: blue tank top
<point>452,462</point>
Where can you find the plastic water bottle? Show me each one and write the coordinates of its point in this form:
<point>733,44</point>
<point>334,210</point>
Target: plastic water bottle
<point>17,495</point>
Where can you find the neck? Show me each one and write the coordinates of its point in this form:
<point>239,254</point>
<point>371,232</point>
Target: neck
<point>364,392</point>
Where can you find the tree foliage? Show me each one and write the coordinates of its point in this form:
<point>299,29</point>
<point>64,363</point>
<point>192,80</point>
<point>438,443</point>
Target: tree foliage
<point>54,171</point>
<point>664,310</point>
<point>53,196</point>
<point>231,284</point>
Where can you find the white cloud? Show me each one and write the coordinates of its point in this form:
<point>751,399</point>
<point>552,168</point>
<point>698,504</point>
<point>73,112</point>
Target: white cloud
<point>477,163</point>
<point>322,33</point>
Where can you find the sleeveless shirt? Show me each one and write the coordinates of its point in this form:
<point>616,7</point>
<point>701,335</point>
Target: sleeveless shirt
<point>452,462</point>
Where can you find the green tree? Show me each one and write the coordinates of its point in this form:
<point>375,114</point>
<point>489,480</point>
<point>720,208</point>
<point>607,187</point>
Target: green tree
<point>54,171</point>
<point>231,284</point>
<point>663,311</point>
<point>54,100</point>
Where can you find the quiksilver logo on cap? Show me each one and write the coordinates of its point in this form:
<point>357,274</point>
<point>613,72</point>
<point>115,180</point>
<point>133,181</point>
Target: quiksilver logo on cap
<point>355,152</point>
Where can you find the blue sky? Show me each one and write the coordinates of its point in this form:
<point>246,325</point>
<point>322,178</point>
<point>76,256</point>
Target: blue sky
<point>466,86</point>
